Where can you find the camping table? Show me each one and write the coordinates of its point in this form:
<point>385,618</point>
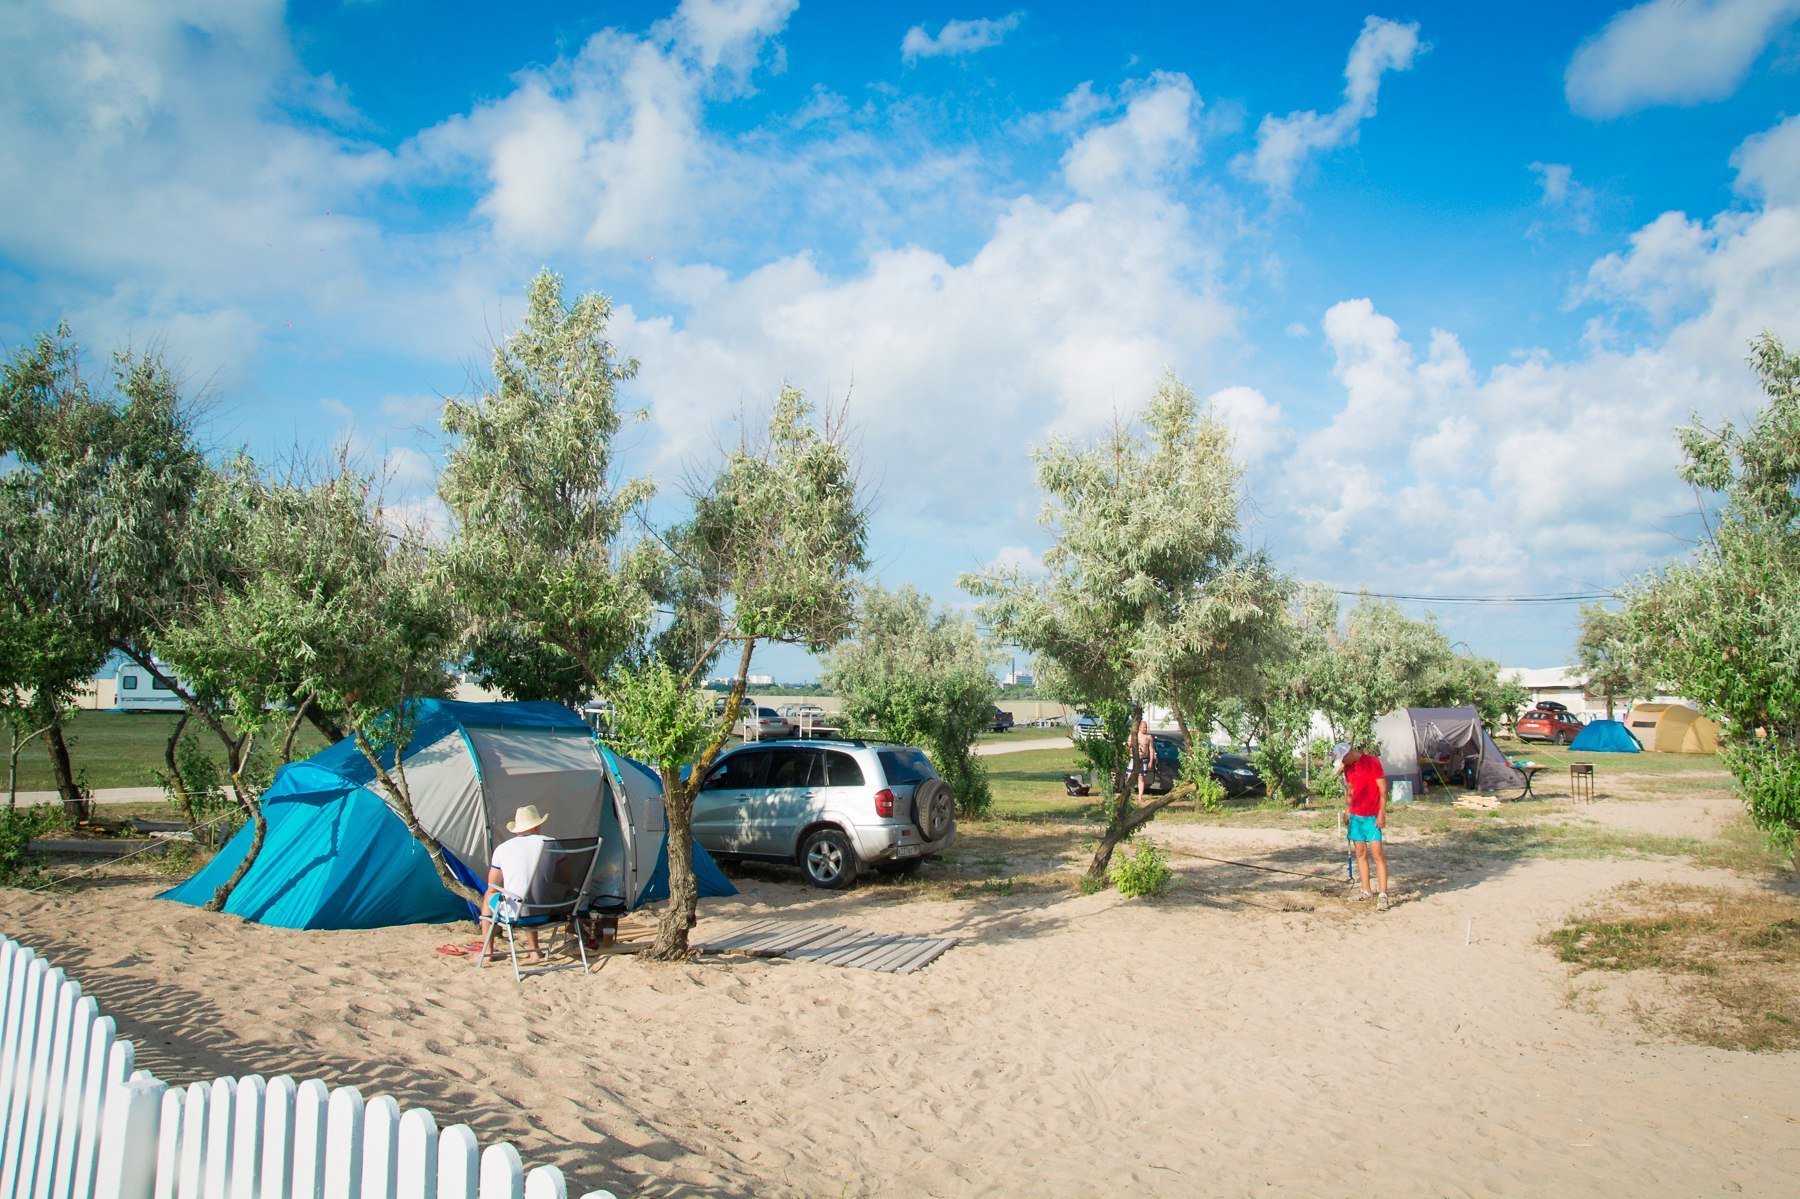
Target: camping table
<point>1530,773</point>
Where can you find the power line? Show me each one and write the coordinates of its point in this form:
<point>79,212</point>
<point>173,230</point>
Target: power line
<point>1570,597</point>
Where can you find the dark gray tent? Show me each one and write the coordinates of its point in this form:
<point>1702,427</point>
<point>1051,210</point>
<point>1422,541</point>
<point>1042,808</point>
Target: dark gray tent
<point>1411,740</point>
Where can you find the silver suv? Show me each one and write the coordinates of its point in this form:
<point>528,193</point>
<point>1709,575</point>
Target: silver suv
<point>832,807</point>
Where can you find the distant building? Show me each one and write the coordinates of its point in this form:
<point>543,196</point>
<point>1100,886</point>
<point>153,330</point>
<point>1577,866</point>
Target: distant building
<point>1566,685</point>
<point>1020,678</point>
<point>759,680</point>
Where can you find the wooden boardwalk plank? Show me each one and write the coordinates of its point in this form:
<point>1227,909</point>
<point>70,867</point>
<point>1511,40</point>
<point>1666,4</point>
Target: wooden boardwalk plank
<point>830,945</point>
<point>929,951</point>
<point>858,948</point>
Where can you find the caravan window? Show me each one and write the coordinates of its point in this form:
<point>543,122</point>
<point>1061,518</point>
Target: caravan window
<point>156,684</point>
<point>128,682</point>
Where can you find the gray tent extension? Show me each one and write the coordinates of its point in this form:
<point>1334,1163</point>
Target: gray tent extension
<point>1411,737</point>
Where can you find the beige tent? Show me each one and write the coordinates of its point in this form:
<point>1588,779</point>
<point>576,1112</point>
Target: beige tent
<point>1673,729</point>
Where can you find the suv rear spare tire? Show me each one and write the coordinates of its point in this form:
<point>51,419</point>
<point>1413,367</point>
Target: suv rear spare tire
<point>934,809</point>
<point>828,860</point>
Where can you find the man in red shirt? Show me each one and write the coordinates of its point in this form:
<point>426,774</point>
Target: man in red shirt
<point>1365,802</point>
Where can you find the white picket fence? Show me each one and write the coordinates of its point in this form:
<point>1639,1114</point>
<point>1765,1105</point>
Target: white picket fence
<point>78,1121</point>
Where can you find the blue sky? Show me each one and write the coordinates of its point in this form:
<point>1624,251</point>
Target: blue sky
<point>1452,272</point>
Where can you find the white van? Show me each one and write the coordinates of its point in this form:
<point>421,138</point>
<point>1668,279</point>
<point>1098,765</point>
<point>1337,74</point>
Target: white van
<point>140,691</point>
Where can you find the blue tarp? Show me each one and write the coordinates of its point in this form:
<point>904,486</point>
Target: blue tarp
<point>1605,737</point>
<point>336,856</point>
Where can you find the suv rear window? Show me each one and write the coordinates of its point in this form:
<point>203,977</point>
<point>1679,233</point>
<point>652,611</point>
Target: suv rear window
<point>842,770</point>
<point>905,766</point>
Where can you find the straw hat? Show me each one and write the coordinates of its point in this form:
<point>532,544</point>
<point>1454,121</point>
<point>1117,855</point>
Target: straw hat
<point>526,819</point>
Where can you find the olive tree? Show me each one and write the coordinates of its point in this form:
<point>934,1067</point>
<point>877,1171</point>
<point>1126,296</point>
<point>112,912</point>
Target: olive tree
<point>552,592</point>
<point>1607,654</point>
<point>319,611</point>
<point>1147,592</point>
<point>771,552</point>
<point>1723,627</point>
<point>99,517</point>
<point>922,677</point>
<point>43,660</point>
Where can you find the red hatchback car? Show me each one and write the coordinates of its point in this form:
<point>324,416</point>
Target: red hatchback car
<point>1548,724</point>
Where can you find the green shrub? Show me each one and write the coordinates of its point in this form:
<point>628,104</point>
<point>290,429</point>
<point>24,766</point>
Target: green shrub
<point>1327,784</point>
<point>1143,871</point>
<point>18,828</point>
<point>1196,772</point>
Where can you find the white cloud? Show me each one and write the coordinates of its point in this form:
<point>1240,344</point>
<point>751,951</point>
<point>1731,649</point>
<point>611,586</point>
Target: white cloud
<point>1015,557</point>
<point>1768,164</point>
<point>1155,137</point>
<point>1258,428</point>
<point>958,37</point>
<point>1664,53</point>
<point>1284,145</point>
<point>1566,202</point>
<point>1542,473</point>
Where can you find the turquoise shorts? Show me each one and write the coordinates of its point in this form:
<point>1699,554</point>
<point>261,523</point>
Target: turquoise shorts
<point>1364,828</point>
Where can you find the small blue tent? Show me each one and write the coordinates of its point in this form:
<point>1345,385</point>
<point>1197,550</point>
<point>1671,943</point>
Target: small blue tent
<point>336,856</point>
<point>1605,737</point>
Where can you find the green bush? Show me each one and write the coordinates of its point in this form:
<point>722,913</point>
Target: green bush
<point>1280,769</point>
<point>1327,784</point>
<point>18,828</point>
<point>1143,871</point>
<point>1196,772</point>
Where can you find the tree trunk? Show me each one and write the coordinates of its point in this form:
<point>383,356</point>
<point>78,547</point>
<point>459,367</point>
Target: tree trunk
<point>12,762</point>
<point>237,754</point>
<point>177,784</point>
<point>671,944</point>
<point>78,806</point>
<point>399,801</point>
<point>1118,817</point>
<point>328,728</point>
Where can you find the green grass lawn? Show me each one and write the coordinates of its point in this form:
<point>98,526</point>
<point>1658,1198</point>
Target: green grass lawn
<point>125,749</point>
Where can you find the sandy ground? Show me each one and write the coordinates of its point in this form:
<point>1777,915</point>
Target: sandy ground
<point>1253,1033</point>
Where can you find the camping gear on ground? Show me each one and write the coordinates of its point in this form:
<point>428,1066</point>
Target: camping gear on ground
<point>1605,737</point>
<point>556,888</point>
<point>1400,791</point>
<point>1673,729</point>
<point>1075,785</point>
<point>1450,742</point>
<point>336,856</point>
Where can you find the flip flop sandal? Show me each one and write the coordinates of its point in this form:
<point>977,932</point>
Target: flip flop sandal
<point>459,951</point>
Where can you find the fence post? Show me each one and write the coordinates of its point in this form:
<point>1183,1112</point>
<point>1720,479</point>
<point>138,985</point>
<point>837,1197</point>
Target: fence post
<point>343,1144</point>
<point>416,1156</point>
<point>52,1013</point>
<point>381,1141</point>
<point>546,1182</point>
<point>310,1100</point>
<point>195,1126</point>
<point>59,1183</point>
<point>130,1138</point>
<point>502,1173</point>
<point>278,1138</point>
<point>102,1077</point>
<point>458,1172</point>
<point>221,1111</point>
<point>246,1137</point>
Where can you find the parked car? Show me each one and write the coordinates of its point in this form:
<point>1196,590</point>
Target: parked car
<point>763,724</point>
<point>833,808</point>
<point>1082,726</point>
<point>795,712</point>
<point>1236,773</point>
<point>1548,724</point>
<point>1002,720</point>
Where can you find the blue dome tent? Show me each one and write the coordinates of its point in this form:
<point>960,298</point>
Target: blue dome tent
<point>337,857</point>
<point>1605,737</point>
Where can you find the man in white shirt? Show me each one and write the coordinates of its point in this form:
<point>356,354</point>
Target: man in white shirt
<point>514,871</point>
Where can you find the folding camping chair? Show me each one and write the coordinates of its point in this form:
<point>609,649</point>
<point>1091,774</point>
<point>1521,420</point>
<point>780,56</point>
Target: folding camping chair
<point>554,898</point>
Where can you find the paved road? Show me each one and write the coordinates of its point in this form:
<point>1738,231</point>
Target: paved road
<point>989,748</point>
<point>102,796</point>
